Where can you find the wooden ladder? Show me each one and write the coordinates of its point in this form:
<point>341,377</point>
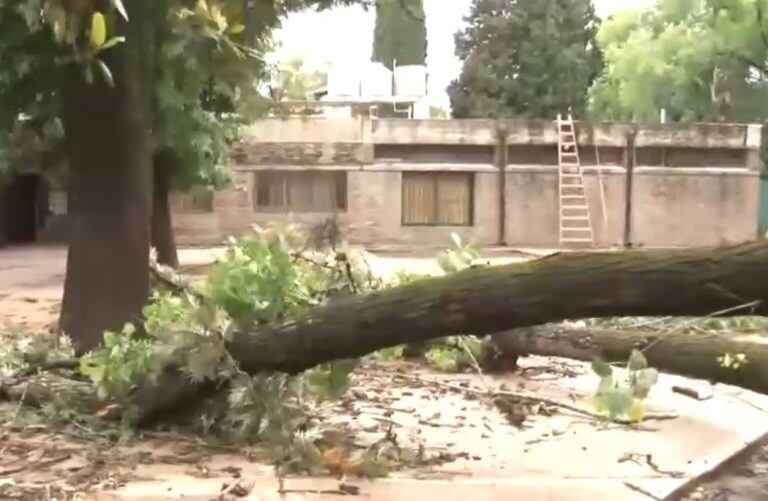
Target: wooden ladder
<point>575,218</point>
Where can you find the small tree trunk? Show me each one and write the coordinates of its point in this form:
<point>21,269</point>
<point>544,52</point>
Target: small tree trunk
<point>108,148</point>
<point>162,227</point>
<point>693,355</point>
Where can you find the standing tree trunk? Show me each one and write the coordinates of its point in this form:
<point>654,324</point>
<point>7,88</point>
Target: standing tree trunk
<point>162,226</point>
<point>108,148</point>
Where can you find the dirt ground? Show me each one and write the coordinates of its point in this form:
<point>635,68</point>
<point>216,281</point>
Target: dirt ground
<point>467,446</point>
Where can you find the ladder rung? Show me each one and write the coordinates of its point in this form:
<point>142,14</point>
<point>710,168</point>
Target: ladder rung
<point>570,174</point>
<point>571,197</point>
<point>577,240</point>
<point>575,218</point>
<point>577,230</point>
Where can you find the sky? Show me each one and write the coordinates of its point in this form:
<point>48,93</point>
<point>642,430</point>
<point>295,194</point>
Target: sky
<point>345,35</point>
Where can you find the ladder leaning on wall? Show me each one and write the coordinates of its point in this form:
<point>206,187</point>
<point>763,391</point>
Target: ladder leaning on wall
<point>575,218</point>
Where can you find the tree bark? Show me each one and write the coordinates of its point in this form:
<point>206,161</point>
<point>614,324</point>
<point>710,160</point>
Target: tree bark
<point>489,300</point>
<point>108,149</point>
<point>692,355</point>
<point>493,299</point>
<point>162,227</point>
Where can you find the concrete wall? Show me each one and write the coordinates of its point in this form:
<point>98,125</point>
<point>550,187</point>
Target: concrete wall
<point>682,207</point>
<point>694,185</point>
<point>375,207</point>
<point>533,208</point>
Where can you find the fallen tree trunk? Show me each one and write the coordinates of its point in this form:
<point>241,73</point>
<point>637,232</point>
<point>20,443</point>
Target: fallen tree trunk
<point>488,300</point>
<point>693,355</point>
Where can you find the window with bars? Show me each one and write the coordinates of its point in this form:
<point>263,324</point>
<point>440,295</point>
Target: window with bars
<point>437,198</point>
<point>300,191</point>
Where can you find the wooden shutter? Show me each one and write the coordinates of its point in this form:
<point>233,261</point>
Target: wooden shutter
<point>300,192</point>
<point>419,198</point>
<point>454,199</point>
<point>270,190</point>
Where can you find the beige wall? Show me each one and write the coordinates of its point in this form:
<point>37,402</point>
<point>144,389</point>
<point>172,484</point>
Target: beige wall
<point>533,206</point>
<point>694,207</point>
<point>308,129</point>
<point>671,207</point>
<point>233,214</point>
<point>375,203</point>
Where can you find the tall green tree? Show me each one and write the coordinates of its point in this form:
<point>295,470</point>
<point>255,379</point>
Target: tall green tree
<point>697,59</point>
<point>400,34</point>
<point>525,58</point>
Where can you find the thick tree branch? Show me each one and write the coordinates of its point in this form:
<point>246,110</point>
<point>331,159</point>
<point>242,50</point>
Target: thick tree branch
<point>488,300</point>
<point>494,299</point>
<point>694,355</point>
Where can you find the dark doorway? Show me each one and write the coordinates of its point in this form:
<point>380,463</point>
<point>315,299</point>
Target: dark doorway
<point>19,209</point>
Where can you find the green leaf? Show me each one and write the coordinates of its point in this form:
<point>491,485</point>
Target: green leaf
<point>237,29</point>
<point>447,263</point>
<point>112,42</point>
<point>637,411</point>
<point>605,385</point>
<point>118,4</point>
<point>645,380</point>
<point>98,30</point>
<point>619,402</point>
<point>637,361</point>
<point>601,368</point>
<point>601,404</point>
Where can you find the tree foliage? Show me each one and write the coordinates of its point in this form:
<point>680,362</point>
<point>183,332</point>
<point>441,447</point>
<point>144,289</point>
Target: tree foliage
<point>206,66</point>
<point>529,58</point>
<point>292,79</point>
<point>400,35</point>
<point>30,131</point>
<point>698,59</point>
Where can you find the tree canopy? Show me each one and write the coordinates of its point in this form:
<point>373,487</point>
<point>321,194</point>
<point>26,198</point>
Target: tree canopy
<point>400,34</point>
<point>526,58</point>
<point>698,59</point>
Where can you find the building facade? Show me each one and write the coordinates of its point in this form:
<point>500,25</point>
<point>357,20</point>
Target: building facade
<point>410,183</point>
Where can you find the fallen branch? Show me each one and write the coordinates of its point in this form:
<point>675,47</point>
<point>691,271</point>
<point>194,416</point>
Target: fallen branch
<point>488,300</point>
<point>52,365</point>
<point>693,355</point>
<point>528,398</point>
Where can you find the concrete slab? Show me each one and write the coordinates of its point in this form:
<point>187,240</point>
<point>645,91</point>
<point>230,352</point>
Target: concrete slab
<point>564,456</point>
